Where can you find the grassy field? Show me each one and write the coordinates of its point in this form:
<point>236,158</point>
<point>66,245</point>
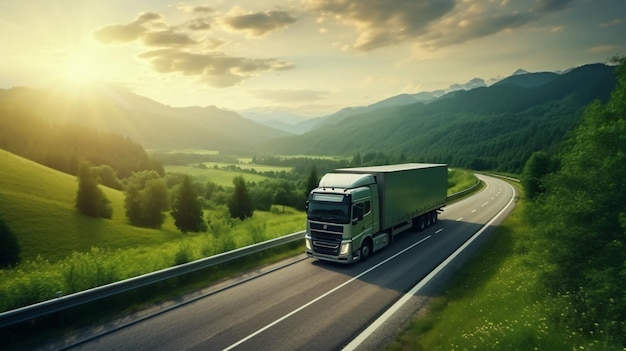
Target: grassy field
<point>219,176</point>
<point>37,203</point>
<point>64,251</point>
<point>250,166</point>
<point>497,303</point>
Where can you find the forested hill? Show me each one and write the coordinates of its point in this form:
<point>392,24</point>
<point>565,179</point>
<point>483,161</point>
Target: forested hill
<point>62,147</point>
<point>109,108</point>
<point>495,127</point>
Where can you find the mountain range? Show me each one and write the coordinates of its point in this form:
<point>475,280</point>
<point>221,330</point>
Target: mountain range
<point>494,127</point>
<point>483,125</point>
<point>296,124</point>
<point>114,109</point>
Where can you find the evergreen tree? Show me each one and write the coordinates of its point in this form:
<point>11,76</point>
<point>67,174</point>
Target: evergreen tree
<point>90,200</point>
<point>187,209</point>
<point>9,247</point>
<point>240,204</point>
<point>146,199</point>
<point>311,182</point>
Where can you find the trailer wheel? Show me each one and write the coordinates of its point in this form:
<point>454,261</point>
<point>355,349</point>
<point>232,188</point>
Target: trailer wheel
<point>429,219</point>
<point>435,217</point>
<point>366,249</point>
<point>421,223</point>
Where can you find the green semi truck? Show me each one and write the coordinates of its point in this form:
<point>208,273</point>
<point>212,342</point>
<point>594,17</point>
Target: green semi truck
<point>357,211</point>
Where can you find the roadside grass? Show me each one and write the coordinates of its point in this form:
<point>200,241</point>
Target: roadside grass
<point>100,314</point>
<point>38,280</point>
<point>459,180</point>
<point>496,302</point>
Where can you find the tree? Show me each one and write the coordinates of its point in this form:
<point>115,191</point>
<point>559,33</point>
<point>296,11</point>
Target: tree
<point>90,200</point>
<point>583,217</point>
<point>262,195</point>
<point>281,197</point>
<point>187,209</point>
<point>9,247</point>
<point>146,199</point>
<point>240,204</point>
<point>537,166</point>
<point>311,182</point>
<point>107,176</point>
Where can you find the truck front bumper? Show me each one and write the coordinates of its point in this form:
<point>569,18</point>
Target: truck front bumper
<point>345,252</point>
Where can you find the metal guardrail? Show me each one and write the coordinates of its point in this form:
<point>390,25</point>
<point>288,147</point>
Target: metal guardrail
<point>55,305</point>
<point>462,192</point>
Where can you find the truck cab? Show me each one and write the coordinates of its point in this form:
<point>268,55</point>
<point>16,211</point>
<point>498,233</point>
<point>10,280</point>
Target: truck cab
<point>342,215</point>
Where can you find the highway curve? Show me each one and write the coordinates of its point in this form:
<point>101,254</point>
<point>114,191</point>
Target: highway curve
<point>314,305</point>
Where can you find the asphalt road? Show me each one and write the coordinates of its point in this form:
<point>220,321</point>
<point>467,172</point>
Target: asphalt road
<point>315,305</point>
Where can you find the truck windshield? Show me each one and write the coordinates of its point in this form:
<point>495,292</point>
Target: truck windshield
<point>330,208</point>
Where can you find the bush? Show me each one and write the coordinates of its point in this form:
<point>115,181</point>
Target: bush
<point>9,247</point>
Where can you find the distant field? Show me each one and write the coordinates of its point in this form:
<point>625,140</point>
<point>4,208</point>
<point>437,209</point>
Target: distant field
<point>219,176</point>
<point>249,166</point>
<point>192,151</point>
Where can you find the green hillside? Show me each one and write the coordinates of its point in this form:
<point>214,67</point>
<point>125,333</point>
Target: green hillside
<point>37,203</point>
<point>491,128</point>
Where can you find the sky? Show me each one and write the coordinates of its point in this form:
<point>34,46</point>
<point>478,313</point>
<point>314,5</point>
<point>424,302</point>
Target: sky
<point>311,57</point>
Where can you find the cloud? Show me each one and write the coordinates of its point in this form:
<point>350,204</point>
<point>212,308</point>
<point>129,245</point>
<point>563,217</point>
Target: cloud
<point>430,23</point>
<point>180,50</point>
<point>259,23</point>
<point>474,27</point>
<point>613,22</point>
<point>550,5</point>
<point>167,38</point>
<point>123,33</point>
<point>214,68</point>
<point>285,95</point>
<point>605,48</point>
<point>383,22</point>
<point>199,24</point>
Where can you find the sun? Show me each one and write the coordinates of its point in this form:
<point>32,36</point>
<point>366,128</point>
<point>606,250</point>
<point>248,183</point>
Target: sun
<point>80,68</point>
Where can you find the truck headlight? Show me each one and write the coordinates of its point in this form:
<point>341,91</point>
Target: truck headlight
<point>345,248</point>
<point>307,242</point>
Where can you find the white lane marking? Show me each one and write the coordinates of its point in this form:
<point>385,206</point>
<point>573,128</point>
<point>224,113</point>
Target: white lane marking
<point>483,205</point>
<point>458,220</point>
<point>356,342</point>
<point>439,231</point>
<point>321,297</point>
<point>473,211</point>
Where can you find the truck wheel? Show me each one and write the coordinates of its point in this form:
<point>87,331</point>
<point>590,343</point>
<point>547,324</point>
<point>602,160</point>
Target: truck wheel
<point>366,249</point>
<point>421,223</point>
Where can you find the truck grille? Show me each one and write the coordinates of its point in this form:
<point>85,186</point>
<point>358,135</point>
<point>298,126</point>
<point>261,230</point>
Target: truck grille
<point>325,243</point>
<point>326,227</point>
